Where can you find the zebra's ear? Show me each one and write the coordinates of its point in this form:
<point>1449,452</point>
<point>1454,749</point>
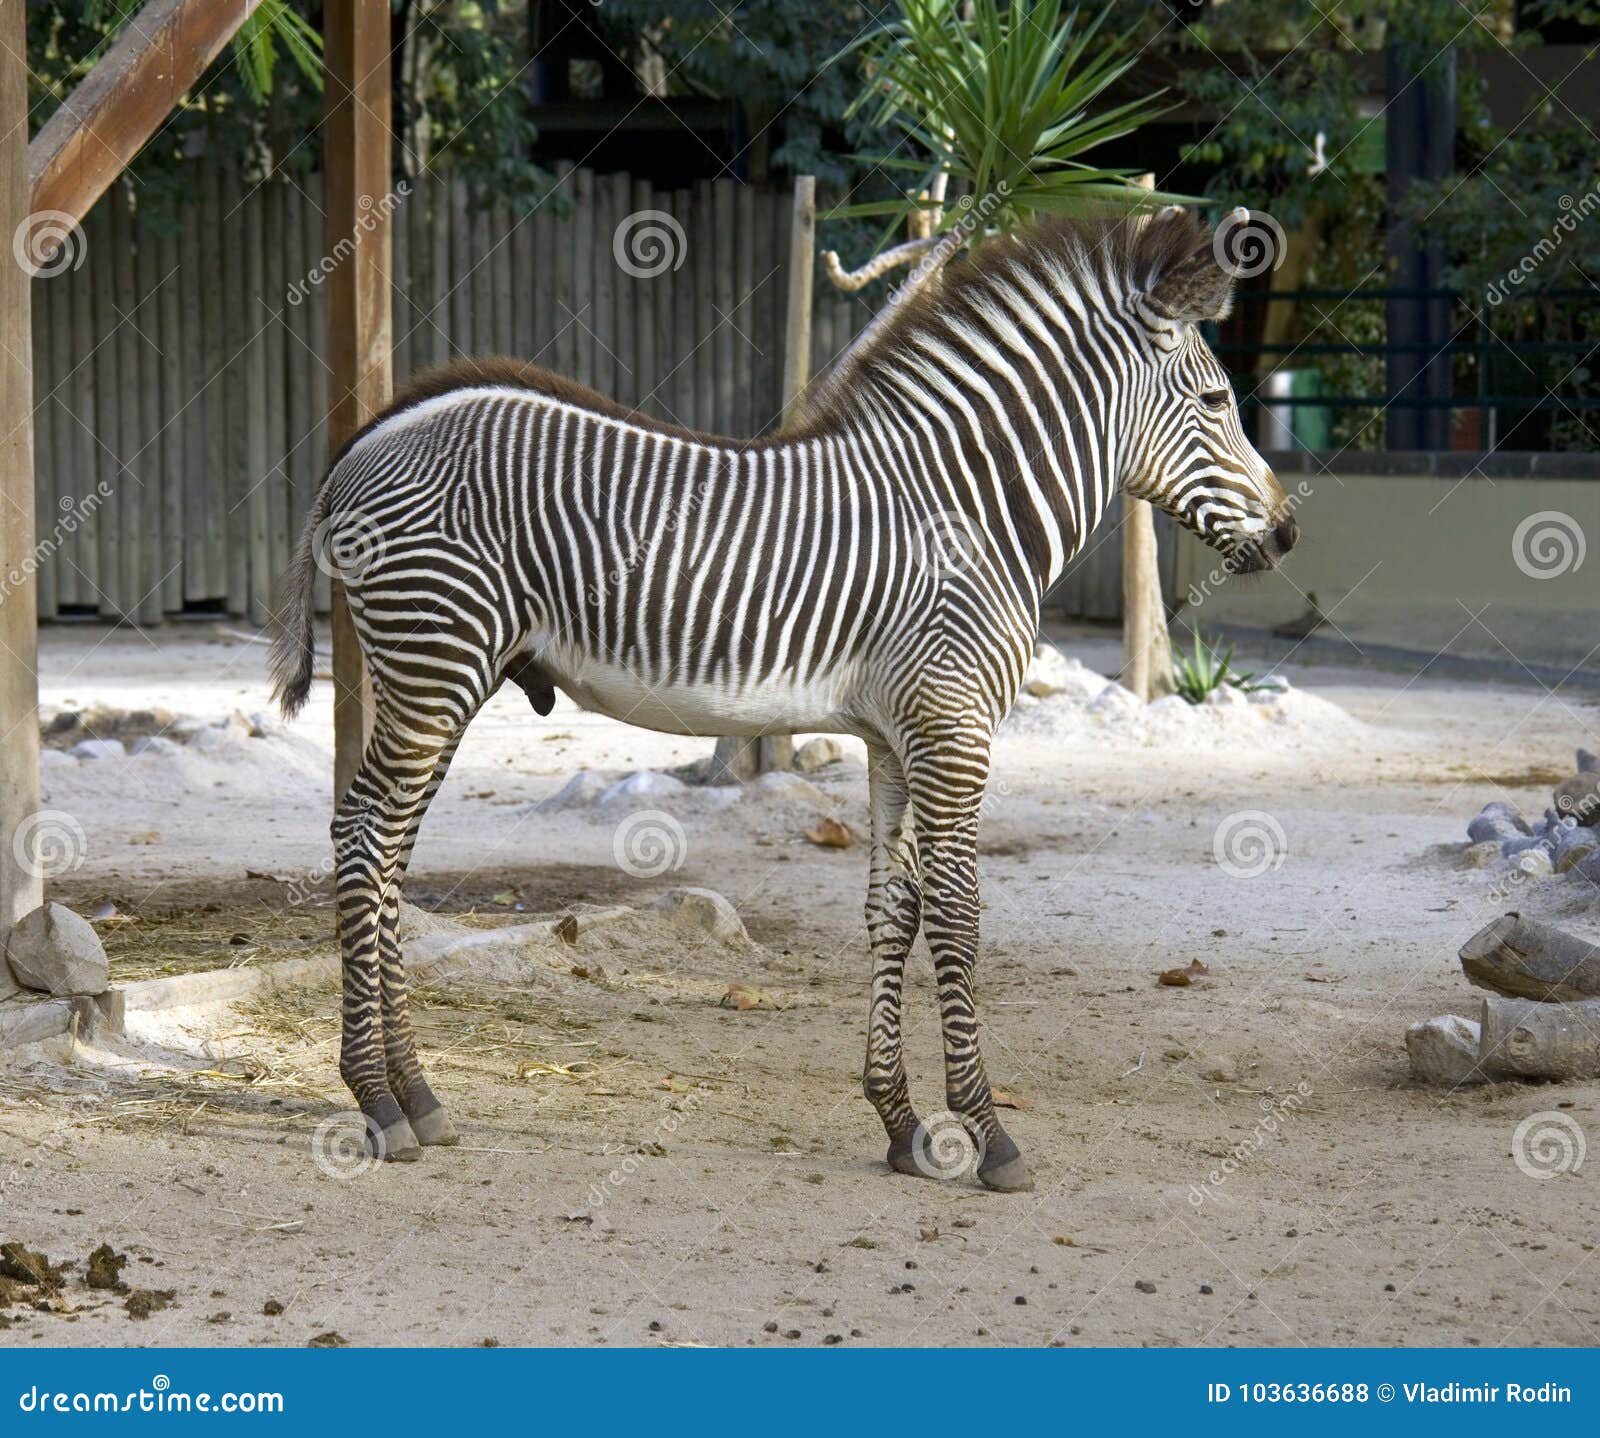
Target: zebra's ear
<point>1189,283</point>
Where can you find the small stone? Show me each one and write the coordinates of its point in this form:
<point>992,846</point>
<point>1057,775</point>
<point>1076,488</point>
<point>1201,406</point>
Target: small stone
<point>769,1327</point>
<point>654,1326</point>
<point>99,749</point>
<point>1495,827</point>
<point>580,791</point>
<point>792,1333</point>
<point>1586,870</point>
<point>331,1339</point>
<point>1533,863</point>
<point>156,746</point>
<point>1479,856</point>
<point>57,952</point>
<point>1444,1050</point>
<point>272,1308</point>
<point>1577,797</point>
<point>705,909</point>
<point>1021,1300</point>
<point>832,1338</point>
<point>646,784</point>
<point>1388,1288</point>
<point>780,784</point>
<point>817,754</point>
<point>1205,1288</point>
<point>1144,1285</point>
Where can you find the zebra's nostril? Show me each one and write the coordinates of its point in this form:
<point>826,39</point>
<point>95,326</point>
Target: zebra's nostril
<point>1287,534</point>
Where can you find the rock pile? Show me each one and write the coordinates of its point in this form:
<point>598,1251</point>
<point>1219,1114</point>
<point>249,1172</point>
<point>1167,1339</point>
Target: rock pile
<point>1565,841</point>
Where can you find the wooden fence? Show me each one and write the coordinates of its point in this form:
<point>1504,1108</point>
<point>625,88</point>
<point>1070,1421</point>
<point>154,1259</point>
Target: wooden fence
<point>179,378</point>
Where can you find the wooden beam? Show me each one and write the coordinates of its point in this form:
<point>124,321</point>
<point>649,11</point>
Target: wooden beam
<point>151,65</point>
<point>21,884</point>
<point>360,348</point>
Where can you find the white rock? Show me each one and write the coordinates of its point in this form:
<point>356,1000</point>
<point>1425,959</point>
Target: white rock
<point>705,909</point>
<point>156,746</point>
<point>646,784</point>
<point>1572,846</point>
<point>99,749</point>
<point>58,952</point>
<point>1051,673</point>
<point>1479,856</point>
<point>262,724</point>
<point>1444,1050</point>
<point>221,736</point>
<point>1171,706</point>
<point>1268,684</point>
<point>1225,696</point>
<point>1115,702</point>
<point>779,784</point>
<point>817,754</point>
<point>581,790</point>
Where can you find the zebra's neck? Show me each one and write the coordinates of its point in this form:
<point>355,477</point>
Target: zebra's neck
<point>1005,410</point>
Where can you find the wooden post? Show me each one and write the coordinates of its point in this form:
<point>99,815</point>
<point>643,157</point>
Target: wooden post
<point>360,338</point>
<point>737,758</point>
<point>802,265</point>
<point>1146,646</point>
<point>21,886</point>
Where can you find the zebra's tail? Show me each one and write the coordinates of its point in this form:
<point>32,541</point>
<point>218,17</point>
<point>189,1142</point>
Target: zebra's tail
<point>294,638</point>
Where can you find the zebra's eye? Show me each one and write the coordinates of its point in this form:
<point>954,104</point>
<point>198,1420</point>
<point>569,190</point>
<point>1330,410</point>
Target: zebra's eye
<point>1216,399</point>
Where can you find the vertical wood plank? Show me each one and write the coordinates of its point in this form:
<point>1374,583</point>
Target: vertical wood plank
<point>147,418</point>
<point>316,235</point>
<point>581,301</point>
<point>107,522</point>
<point>171,416</point>
<point>261,473</point>
<point>501,240</point>
<point>702,334</point>
<point>723,299</point>
<point>238,322</point>
<point>46,295</point>
<point>360,333</point>
<point>459,274</point>
<point>646,295</point>
<point>21,881</point>
<point>524,278</point>
<point>750,353</point>
<point>602,324</point>
<point>480,284</point>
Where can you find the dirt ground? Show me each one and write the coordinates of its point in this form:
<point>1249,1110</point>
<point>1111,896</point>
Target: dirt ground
<point>644,1165</point>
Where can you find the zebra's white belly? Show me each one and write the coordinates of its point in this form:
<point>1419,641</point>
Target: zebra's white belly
<point>773,707</point>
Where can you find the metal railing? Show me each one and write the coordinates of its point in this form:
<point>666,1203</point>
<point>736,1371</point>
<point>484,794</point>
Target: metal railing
<point>1503,409</point>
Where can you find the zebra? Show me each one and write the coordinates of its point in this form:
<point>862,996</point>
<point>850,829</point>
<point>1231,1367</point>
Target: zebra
<point>875,569</point>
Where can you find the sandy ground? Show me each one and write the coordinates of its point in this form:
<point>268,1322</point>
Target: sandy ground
<point>699,1174</point>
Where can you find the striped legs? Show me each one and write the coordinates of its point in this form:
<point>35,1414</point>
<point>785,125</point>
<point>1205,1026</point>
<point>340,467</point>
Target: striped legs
<point>429,1122</point>
<point>947,784</point>
<point>375,824</point>
<point>894,913</point>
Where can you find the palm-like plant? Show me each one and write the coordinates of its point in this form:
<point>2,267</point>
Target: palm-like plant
<point>1001,101</point>
<point>1207,670</point>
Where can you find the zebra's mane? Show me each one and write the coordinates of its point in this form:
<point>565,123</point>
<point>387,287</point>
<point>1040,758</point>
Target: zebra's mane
<point>1096,258</point>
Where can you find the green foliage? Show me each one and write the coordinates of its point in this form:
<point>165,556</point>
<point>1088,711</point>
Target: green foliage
<point>274,24</point>
<point>1206,670</point>
<point>1006,100</point>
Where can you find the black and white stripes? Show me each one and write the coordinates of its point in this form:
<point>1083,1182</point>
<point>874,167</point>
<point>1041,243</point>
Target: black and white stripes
<point>875,571</point>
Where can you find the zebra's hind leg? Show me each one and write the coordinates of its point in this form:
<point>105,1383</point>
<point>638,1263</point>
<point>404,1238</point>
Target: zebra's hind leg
<point>429,1121</point>
<point>894,914</point>
<point>947,784</point>
<point>370,829</point>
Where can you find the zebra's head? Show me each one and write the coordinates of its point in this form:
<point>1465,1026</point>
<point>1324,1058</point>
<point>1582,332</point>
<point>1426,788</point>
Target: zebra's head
<point>1185,449</point>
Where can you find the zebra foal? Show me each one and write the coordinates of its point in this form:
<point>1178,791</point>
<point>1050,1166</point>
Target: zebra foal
<point>876,571</point>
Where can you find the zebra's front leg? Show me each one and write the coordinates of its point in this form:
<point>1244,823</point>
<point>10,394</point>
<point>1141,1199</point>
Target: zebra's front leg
<point>894,914</point>
<point>946,793</point>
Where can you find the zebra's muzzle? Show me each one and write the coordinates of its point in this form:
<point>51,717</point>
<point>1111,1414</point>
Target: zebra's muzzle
<point>1260,553</point>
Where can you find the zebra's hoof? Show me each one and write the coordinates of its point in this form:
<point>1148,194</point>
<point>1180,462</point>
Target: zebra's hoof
<point>434,1129</point>
<point>914,1155</point>
<point>1002,1168</point>
<point>395,1143</point>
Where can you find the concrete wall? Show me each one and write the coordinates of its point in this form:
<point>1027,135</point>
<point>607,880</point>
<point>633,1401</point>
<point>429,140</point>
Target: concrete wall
<point>1485,557</point>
